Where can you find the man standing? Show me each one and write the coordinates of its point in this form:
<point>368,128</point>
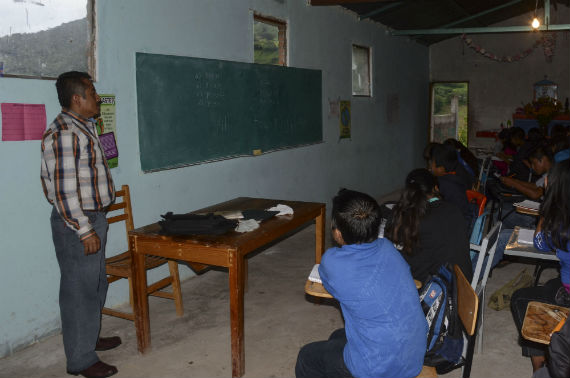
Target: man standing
<point>77,182</point>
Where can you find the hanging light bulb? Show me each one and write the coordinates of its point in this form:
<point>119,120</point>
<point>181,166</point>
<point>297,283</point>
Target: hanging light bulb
<point>535,23</point>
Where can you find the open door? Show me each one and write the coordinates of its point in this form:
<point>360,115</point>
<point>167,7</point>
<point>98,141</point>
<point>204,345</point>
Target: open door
<point>448,115</point>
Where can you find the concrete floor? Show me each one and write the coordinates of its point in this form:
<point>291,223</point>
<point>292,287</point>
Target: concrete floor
<point>279,319</point>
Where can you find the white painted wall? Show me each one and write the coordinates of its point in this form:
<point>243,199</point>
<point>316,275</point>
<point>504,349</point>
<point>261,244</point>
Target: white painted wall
<point>375,160</point>
<point>496,89</point>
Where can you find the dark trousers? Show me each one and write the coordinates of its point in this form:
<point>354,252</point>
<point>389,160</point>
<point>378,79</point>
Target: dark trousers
<point>519,302</point>
<point>323,358</point>
<point>82,290</point>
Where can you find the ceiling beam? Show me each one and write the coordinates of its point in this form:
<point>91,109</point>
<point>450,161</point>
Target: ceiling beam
<point>481,14</point>
<point>345,2</point>
<point>380,10</point>
<point>483,30</point>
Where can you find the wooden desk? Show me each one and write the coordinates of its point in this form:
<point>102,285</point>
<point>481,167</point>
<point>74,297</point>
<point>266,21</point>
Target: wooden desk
<point>514,248</point>
<point>540,320</point>
<point>317,289</point>
<point>228,250</point>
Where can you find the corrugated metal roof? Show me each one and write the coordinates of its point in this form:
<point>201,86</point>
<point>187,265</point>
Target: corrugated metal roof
<point>433,14</point>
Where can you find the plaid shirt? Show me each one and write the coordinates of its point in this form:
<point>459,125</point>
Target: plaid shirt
<point>75,175</point>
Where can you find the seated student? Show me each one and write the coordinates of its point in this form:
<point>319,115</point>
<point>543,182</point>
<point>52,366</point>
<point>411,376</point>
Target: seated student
<point>514,141</point>
<point>452,179</point>
<point>430,230</point>
<point>465,157</point>
<point>520,167</point>
<point>385,329</point>
<point>552,232</point>
<point>541,162</point>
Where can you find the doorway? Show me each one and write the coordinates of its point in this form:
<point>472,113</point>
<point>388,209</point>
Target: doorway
<point>449,111</point>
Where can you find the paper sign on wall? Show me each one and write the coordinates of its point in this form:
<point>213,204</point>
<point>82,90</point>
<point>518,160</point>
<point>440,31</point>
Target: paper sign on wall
<point>106,123</point>
<point>23,121</point>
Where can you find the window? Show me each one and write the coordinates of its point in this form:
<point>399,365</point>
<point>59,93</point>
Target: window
<point>361,71</point>
<point>269,41</point>
<point>43,38</point>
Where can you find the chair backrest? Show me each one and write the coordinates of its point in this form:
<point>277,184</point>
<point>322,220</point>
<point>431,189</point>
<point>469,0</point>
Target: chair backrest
<point>121,211</point>
<point>479,198</point>
<point>467,302</point>
<point>477,232</point>
<point>484,175</point>
<point>486,252</point>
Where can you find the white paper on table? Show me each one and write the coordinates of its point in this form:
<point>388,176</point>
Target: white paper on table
<point>526,236</point>
<point>315,276</point>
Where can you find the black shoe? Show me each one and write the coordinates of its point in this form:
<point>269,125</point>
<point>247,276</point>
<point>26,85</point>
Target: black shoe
<point>106,343</point>
<point>98,370</point>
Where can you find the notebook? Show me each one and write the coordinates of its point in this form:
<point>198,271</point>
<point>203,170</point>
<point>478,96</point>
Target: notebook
<point>527,204</point>
<point>315,276</point>
<point>526,236</point>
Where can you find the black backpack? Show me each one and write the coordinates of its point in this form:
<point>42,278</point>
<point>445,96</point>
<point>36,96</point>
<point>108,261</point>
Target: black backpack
<point>438,297</point>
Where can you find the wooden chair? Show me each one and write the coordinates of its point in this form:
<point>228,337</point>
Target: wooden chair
<point>468,307</point>
<point>119,266</point>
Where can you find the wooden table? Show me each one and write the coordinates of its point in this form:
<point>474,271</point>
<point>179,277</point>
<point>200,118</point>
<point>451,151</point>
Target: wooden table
<point>540,320</point>
<point>228,250</point>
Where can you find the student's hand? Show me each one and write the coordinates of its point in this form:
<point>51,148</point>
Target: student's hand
<point>92,244</point>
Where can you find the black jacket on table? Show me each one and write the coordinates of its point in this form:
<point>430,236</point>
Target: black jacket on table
<point>442,238</point>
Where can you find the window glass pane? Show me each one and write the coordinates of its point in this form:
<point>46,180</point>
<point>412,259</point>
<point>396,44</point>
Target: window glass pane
<point>43,38</point>
<point>360,71</point>
<point>266,43</point>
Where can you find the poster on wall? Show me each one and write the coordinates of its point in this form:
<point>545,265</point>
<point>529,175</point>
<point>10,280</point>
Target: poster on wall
<point>106,124</point>
<point>344,119</point>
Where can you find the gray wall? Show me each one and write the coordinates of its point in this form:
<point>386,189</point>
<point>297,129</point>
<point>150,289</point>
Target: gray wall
<point>496,89</point>
<point>375,160</point>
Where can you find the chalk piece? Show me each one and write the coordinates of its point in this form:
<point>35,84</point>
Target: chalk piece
<point>256,152</point>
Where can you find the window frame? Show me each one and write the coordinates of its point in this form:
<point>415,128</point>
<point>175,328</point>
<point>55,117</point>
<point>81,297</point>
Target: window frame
<point>369,62</point>
<point>91,56</point>
<point>281,35</point>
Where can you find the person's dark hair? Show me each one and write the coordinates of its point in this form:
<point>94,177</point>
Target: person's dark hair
<point>559,144</point>
<point>357,216</point>
<point>69,84</point>
<point>444,156</point>
<point>516,132</point>
<point>534,135</point>
<point>404,227</point>
<point>503,135</point>
<point>556,205</point>
<point>557,131</point>
<point>465,154</point>
<point>541,150</point>
<point>427,151</point>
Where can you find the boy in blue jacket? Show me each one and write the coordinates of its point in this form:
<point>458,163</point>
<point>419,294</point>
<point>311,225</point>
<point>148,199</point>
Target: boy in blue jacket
<point>385,329</point>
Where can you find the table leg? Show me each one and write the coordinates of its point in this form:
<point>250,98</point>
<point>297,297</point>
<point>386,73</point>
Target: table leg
<point>236,276</point>
<point>320,236</point>
<point>140,299</point>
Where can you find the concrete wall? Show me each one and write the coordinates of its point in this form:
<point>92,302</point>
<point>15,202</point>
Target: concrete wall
<point>496,89</point>
<point>375,160</point>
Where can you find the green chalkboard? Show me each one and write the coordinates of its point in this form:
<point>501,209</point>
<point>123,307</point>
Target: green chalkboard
<point>192,110</point>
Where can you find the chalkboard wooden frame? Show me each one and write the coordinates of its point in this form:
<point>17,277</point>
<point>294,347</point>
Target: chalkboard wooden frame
<point>196,110</point>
